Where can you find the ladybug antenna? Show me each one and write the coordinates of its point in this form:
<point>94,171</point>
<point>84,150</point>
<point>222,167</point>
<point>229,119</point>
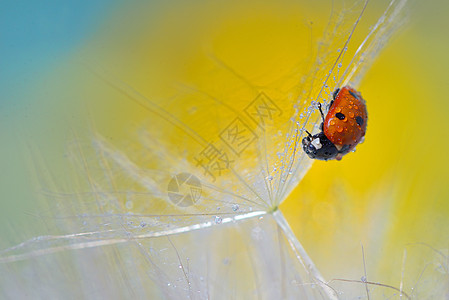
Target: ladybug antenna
<point>308,133</point>
<point>321,111</point>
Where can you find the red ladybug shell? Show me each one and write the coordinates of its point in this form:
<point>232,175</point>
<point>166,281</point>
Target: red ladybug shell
<point>345,122</point>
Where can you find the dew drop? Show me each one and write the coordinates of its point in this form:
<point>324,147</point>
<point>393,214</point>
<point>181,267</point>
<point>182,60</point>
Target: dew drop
<point>332,122</point>
<point>218,220</point>
<point>351,114</point>
<point>339,128</point>
<point>363,278</point>
<point>338,109</point>
<point>339,65</point>
<point>270,178</point>
<point>235,207</point>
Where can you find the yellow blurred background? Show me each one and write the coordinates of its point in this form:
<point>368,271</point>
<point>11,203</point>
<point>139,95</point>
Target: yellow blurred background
<point>393,191</point>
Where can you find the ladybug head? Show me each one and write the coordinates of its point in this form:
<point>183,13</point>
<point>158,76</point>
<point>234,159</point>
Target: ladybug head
<point>318,146</point>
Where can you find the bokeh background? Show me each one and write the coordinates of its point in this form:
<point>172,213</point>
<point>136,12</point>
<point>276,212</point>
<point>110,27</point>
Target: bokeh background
<point>391,195</point>
<point>393,192</point>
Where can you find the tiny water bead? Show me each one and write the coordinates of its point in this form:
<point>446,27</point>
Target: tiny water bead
<point>129,204</point>
<point>235,207</point>
<point>218,220</point>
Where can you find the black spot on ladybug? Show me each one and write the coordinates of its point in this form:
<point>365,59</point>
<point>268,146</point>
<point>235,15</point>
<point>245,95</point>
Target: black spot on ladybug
<point>353,94</point>
<point>340,116</point>
<point>359,120</point>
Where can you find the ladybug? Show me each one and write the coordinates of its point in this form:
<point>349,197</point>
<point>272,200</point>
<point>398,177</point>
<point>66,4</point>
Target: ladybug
<point>342,129</point>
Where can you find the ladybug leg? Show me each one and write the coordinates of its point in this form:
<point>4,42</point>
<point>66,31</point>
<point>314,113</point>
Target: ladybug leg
<point>321,111</point>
